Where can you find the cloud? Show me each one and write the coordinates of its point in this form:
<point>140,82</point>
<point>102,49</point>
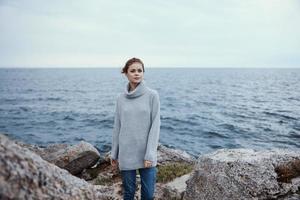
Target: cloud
<point>165,33</point>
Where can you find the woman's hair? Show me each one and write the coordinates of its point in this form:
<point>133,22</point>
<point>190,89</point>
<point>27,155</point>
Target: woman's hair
<point>130,62</point>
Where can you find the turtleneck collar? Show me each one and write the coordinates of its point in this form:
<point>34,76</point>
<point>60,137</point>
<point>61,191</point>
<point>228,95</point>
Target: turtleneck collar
<point>138,91</point>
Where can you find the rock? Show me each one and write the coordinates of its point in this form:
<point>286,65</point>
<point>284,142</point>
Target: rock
<point>242,174</point>
<point>167,155</point>
<point>73,158</point>
<point>286,172</point>
<point>179,183</point>
<point>76,158</point>
<point>103,168</point>
<point>25,175</point>
<point>164,191</point>
<point>174,190</point>
<point>32,147</point>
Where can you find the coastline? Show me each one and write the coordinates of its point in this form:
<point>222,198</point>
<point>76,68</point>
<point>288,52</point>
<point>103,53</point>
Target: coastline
<point>223,174</point>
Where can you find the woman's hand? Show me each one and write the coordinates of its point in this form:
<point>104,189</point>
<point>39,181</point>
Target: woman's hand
<point>147,163</point>
<point>114,163</point>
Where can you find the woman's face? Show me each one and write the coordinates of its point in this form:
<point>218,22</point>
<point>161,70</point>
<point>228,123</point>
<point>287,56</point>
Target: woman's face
<point>135,73</point>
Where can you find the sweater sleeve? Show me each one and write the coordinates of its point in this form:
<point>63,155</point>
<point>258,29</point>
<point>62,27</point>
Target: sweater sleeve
<point>116,131</point>
<point>153,137</point>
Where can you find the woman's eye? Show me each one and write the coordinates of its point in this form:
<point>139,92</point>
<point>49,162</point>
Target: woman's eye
<point>139,70</point>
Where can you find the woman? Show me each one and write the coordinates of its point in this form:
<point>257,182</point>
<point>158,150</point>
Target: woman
<point>136,132</point>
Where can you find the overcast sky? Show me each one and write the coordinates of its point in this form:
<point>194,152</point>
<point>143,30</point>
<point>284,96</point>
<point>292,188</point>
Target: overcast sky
<point>95,33</point>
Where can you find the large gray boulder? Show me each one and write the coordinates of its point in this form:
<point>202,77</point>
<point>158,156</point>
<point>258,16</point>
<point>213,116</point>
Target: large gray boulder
<point>74,158</point>
<point>25,175</point>
<point>167,155</point>
<point>245,174</point>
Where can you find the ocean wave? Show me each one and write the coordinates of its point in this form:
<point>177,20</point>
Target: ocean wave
<point>25,109</point>
<point>49,99</point>
<point>68,118</point>
<point>230,127</point>
<point>213,134</point>
<point>279,115</point>
<point>294,134</point>
<point>179,122</point>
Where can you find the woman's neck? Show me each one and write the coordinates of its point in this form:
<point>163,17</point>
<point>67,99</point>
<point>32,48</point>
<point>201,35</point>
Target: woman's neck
<point>132,86</point>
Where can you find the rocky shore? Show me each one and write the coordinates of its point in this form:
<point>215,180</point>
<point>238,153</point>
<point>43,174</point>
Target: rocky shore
<point>78,171</point>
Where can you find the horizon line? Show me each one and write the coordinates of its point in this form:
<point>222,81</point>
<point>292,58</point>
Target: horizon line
<point>152,67</point>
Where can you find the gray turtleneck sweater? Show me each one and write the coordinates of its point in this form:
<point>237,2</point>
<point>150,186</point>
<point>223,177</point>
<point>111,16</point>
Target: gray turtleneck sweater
<point>136,127</point>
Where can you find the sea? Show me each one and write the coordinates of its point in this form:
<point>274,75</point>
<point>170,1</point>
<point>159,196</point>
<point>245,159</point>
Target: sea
<point>202,110</point>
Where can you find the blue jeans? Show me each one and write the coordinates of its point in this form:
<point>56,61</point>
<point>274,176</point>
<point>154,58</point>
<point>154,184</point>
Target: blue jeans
<point>148,180</point>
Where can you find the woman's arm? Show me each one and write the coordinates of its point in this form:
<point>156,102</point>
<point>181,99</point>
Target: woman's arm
<point>153,137</point>
<point>116,131</point>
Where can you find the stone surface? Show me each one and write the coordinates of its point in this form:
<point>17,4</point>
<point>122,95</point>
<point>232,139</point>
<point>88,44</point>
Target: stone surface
<point>164,192</point>
<point>174,190</point>
<point>241,174</point>
<point>166,155</point>
<point>25,175</point>
<point>73,158</point>
<point>179,183</point>
<point>224,174</point>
